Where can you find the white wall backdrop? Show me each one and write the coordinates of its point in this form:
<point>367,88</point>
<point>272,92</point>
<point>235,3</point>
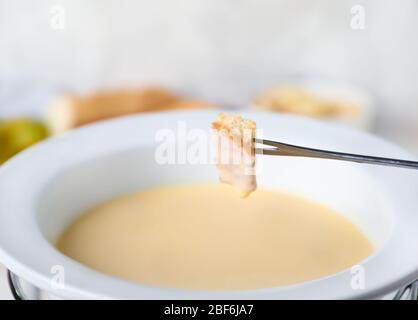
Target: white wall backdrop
<point>224,50</point>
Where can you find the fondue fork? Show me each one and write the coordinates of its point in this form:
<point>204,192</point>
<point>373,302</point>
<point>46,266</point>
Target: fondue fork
<point>283,149</point>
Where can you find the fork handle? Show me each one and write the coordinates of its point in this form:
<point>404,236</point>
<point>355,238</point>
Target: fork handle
<point>283,149</point>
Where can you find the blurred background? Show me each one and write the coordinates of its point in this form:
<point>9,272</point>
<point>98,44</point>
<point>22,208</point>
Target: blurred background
<point>223,52</point>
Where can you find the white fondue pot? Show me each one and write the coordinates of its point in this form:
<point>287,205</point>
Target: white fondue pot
<point>47,186</point>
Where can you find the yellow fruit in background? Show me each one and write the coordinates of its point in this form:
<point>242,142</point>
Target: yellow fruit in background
<point>18,134</point>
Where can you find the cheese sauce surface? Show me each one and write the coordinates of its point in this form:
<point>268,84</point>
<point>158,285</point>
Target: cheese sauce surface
<point>203,236</point>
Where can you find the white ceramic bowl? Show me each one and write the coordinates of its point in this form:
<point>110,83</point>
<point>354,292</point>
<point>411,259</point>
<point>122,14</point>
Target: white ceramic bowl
<point>44,188</point>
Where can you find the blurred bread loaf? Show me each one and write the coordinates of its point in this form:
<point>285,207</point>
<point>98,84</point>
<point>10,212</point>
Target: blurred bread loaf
<point>188,104</point>
<point>71,111</point>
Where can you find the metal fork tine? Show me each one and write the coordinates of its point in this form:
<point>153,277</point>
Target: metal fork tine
<point>267,142</point>
<point>267,151</point>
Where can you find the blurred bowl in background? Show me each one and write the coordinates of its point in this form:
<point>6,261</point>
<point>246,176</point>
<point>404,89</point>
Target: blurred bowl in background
<point>321,100</point>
